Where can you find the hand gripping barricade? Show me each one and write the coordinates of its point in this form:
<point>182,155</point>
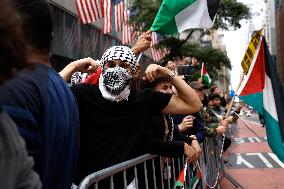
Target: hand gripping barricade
<point>162,173</point>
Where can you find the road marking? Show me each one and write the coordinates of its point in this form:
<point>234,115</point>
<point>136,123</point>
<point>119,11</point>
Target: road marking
<point>239,140</point>
<point>241,160</point>
<point>265,161</point>
<point>242,140</point>
<point>254,160</point>
<point>275,158</point>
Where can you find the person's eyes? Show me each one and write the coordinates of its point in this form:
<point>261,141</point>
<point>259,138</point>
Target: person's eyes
<point>110,65</point>
<point>125,66</point>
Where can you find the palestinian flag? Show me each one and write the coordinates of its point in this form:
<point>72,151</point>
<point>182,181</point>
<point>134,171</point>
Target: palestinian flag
<point>196,179</point>
<point>175,16</point>
<point>205,76</point>
<point>262,90</point>
<point>180,181</point>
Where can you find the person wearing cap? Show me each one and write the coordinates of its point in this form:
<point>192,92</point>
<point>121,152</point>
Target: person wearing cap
<point>113,114</point>
<point>212,125</point>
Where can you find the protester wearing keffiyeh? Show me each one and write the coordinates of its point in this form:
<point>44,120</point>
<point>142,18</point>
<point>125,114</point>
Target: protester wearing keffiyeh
<point>114,83</point>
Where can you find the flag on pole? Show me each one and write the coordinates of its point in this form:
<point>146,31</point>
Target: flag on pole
<point>205,76</point>
<point>107,14</point>
<point>118,12</point>
<point>127,36</point>
<point>175,16</point>
<point>250,52</point>
<point>196,179</point>
<point>89,10</point>
<point>262,90</point>
<point>180,180</point>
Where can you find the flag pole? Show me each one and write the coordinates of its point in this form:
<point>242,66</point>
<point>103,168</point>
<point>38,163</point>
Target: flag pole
<point>201,70</point>
<point>232,101</point>
<point>139,57</point>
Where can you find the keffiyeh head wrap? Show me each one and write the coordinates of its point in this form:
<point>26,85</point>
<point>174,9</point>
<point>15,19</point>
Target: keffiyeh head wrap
<point>122,53</point>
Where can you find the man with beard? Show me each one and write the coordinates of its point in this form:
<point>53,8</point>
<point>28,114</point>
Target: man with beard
<point>113,114</point>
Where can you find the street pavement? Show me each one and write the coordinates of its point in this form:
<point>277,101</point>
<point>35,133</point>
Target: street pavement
<point>250,161</point>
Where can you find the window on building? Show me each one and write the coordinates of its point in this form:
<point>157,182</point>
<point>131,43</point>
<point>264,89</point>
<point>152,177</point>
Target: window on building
<point>90,40</point>
<point>71,37</point>
<point>106,43</point>
<point>58,31</point>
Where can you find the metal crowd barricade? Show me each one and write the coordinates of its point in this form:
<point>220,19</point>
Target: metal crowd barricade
<point>161,173</point>
<point>172,167</point>
<point>211,161</point>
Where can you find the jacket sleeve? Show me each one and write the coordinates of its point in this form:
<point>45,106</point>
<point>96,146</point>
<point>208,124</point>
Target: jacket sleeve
<point>210,122</point>
<point>198,125</point>
<point>210,132</point>
<point>181,137</point>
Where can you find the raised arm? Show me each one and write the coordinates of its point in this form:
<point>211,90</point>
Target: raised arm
<point>85,65</point>
<point>186,101</point>
<point>143,43</point>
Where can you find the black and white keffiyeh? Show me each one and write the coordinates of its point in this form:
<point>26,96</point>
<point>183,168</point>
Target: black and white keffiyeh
<point>122,53</point>
<point>116,79</point>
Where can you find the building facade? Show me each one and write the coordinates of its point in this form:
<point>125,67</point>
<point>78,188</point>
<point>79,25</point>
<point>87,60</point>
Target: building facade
<point>223,78</point>
<point>270,27</point>
<point>280,38</point>
<point>73,40</point>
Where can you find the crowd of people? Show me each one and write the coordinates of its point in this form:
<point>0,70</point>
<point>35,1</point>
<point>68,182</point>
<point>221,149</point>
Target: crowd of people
<point>53,135</point>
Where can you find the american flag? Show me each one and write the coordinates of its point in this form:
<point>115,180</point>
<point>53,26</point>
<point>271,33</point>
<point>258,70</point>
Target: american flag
<point>107,13</point>
<point>89,10</point>
<point>127,36</point>
<point>157,54</point>
<point>128,32</point>
<point>118,11</point>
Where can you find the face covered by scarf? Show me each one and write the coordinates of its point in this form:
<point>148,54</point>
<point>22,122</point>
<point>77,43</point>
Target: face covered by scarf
<point>114,82</point>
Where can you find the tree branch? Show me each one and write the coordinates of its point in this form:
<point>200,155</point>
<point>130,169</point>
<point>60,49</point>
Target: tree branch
<point>181,43</point>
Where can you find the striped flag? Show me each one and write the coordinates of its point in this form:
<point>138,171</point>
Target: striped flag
<point>180,180</point>
<point>118,11</point>
<point>89,10</point>
<point>175,16</point>
<point>157,54</point>
<point>262,90</point>
<point>107,14</point>
<point>196,179</point>
<point>127,36</point>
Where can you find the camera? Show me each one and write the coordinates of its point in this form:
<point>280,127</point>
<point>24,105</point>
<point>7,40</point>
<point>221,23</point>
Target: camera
<point>186,70</point>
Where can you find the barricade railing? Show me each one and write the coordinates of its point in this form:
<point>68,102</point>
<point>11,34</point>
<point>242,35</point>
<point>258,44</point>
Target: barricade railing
<point>161,173</point>
<point>211,161</point>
